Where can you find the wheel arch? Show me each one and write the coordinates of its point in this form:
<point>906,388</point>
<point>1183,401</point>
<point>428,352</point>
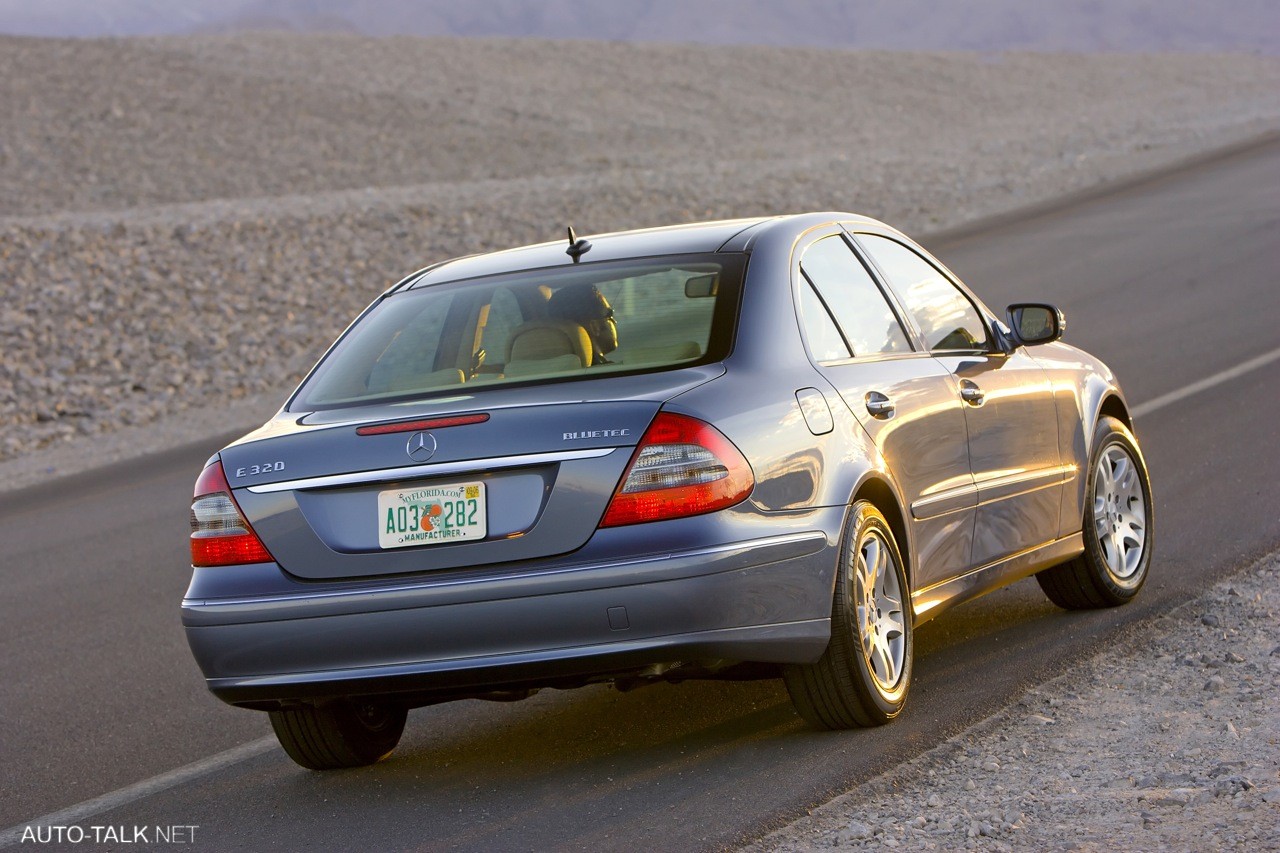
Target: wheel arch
<point>1113,406</point>
<point>1094,394</point>
<point>880,492</point>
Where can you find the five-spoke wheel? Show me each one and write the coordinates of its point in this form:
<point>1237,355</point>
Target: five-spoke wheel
<point>1119,510</point>
<point>881,625</point>
<point>1118,527</point>
<point>862,677</point>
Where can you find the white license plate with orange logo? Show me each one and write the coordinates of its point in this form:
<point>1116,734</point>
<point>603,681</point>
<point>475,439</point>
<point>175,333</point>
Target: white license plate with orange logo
<point>431,515</point>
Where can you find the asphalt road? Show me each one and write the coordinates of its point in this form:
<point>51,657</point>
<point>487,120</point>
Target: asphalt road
<point>1170,281</point>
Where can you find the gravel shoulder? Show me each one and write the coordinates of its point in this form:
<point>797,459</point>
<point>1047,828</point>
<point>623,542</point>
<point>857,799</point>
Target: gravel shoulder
<point>1170,742</point>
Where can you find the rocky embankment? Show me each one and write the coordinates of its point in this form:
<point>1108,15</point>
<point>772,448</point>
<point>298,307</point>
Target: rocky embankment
<point>1170,743</point>
<point>186,223</point>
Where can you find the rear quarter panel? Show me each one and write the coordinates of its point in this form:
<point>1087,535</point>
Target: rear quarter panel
<point>755,402</point>
<point>798,473</point>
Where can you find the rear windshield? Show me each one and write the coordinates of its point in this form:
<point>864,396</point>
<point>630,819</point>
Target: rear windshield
<point>556,325</point>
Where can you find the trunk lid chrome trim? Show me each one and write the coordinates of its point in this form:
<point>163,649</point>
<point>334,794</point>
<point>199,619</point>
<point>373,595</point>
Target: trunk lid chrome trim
<point>386,475</point>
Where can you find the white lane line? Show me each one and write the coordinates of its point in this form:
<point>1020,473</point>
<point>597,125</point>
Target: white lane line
<point>141,790</point>
<point>1205,384</point>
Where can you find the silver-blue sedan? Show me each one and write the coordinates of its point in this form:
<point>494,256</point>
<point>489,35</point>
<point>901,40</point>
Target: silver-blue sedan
<point>757,448</point>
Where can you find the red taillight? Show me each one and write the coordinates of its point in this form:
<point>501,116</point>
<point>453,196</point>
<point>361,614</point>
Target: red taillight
<point>220,535</point>
<point>682,467</point>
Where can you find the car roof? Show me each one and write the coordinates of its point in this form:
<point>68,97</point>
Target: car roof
<point>734,235</point>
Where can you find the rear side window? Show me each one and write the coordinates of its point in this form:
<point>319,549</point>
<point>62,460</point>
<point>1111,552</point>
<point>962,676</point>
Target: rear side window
<point>561,324</point>
<point>820,330</point>
<point>869,325</point>
<point>946,317</point>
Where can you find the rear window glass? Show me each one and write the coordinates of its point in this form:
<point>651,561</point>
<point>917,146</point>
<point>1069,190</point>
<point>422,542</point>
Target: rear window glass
<point>554,325</point>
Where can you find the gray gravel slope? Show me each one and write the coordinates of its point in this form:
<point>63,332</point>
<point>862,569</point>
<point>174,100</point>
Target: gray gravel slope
<point>1169,743</point>
<point>111,124</point>
<point>190,221</point>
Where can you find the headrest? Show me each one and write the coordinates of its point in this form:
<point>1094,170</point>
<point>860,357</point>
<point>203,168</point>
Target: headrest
<point>541,339</point>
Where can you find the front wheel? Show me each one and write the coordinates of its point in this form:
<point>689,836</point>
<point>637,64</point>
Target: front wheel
<point>339,735</point>
<point>863,676</point>
<point>1118,527</point>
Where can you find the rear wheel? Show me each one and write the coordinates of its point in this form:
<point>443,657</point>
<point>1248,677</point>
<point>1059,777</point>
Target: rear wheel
<point>863,676</point>
<point>342,734</point>
<point>1118,527</point>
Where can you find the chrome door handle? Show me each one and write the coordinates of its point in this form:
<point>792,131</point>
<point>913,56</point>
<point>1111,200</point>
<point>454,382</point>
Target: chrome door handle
<point>879,405</point>
<point>971,393</point>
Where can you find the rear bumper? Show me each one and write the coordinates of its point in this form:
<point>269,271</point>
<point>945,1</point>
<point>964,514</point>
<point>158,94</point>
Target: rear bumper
<point>762,600</point>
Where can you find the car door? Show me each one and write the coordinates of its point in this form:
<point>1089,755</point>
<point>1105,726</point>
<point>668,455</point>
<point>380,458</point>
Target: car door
<point>906,400</point>
<point>1007,401</point>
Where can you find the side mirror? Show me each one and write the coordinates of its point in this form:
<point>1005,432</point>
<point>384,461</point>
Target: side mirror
<point>1035,323</point>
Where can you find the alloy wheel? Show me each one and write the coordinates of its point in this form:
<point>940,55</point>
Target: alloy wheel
<point>878,599</point>
<point>1119,511</point>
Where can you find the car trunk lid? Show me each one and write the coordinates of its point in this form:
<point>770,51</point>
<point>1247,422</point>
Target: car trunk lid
<point>540,468</point>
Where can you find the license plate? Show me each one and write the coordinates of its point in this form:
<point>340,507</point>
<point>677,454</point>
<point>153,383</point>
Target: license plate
<point>430,515</point>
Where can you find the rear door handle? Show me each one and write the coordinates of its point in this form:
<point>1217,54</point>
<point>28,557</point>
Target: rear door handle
<point>879,405</point>
<point>971,393</point>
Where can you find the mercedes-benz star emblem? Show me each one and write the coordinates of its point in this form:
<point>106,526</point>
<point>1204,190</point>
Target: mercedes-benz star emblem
<point>421,446</point>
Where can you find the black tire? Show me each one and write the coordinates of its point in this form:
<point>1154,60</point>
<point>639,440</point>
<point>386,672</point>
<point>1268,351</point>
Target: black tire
<point>1110,574</point>
<point>339,735</point>
<point>845,689</point>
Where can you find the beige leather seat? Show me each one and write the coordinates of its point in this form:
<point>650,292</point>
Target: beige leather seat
<point>547,346</point>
